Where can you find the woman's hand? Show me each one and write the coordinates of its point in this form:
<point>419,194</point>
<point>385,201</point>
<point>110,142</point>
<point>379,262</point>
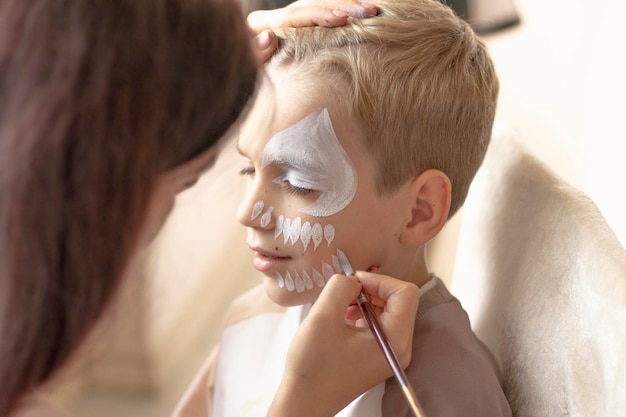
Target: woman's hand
<point>328,13</point>
<point>331,362</point>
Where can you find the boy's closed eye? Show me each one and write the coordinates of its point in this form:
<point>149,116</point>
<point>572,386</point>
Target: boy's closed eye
<point>292,189</point>
<point>289,182</point>
<point>295,184</point>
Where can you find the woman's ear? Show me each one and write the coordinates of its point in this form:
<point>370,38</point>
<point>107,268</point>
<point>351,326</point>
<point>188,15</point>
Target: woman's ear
<point>430,205</point>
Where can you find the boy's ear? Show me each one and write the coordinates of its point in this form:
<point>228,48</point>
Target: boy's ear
<point>430,199</point>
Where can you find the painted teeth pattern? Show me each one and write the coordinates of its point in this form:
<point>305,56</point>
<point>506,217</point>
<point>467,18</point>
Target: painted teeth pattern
<point>318,278</point>
<point>289,282</point>
<point>279,226</point>
<point>308,283</point>
<point>329,233</point>
<point>300,281</point>
<point>286,230</point>
<point>294,230</point>
<point>336,265</point>
<point>305,234</point>
<point>257,209</point>
<point>266,217</point>
<point>317,235</point>
<point>327,271</point>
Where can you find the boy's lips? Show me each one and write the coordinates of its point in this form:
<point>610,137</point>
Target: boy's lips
<point>265,261</point>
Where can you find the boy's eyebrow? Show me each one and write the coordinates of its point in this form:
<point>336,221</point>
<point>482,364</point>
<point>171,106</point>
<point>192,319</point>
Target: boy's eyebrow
<point>294,162</point>
<point>298,165</point>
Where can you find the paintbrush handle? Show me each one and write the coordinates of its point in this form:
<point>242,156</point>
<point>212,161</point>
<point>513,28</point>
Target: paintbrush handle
<point>390,355</point>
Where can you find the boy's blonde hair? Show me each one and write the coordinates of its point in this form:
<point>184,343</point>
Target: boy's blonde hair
<point>421,85</point>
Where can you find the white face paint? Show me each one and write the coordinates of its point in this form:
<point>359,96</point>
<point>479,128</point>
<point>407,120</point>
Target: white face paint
<point>312,158</point>
<point>257,209</point>
<point>294,231</point>
<point>300,281</point>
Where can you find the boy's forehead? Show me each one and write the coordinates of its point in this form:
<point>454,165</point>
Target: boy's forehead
<point>280,104</point>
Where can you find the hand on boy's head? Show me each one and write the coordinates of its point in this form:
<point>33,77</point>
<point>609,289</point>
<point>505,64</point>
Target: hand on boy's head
<point>327,13</point>
<point>302,13</point>
<point>266,44</point>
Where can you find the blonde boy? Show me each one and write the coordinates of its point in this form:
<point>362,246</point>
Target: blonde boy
<point>364,138</point>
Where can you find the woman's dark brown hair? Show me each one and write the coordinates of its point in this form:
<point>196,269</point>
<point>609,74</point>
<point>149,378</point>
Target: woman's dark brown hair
<point>97,97</point>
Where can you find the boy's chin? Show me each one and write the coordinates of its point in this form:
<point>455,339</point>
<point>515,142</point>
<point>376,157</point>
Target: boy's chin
<point>286,298</point>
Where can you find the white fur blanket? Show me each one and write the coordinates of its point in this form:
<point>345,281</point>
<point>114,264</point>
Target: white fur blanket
<point>544,281</point>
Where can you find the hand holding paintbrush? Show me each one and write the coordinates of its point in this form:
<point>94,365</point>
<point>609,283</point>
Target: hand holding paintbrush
<point>382,341</point>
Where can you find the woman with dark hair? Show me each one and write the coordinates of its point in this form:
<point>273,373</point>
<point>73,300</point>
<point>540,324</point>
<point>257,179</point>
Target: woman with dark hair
<point>108,109</point>
<point>98,99</point>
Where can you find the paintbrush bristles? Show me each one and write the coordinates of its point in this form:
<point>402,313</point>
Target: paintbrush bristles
<point>344,263</point>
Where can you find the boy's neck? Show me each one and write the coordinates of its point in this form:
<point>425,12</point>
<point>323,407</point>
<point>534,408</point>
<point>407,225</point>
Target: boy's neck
<point>409,266</point>
<point>422,276</point>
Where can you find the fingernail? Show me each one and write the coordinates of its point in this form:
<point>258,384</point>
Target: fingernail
<point>340,13</point>
<point>263,40</point>
<point>370,7</point>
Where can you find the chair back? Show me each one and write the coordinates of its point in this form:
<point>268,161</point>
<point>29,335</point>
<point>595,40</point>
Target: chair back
<point>543,278</point>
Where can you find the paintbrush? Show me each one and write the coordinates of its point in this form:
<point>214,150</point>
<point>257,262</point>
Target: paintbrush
<point>383,342</point>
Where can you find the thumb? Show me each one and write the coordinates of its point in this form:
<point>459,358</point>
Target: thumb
<point>339,292</point>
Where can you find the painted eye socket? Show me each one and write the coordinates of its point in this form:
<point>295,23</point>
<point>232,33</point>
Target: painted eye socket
<point>296,184</point>
<point>292,189</point>
<point>287,186</point>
